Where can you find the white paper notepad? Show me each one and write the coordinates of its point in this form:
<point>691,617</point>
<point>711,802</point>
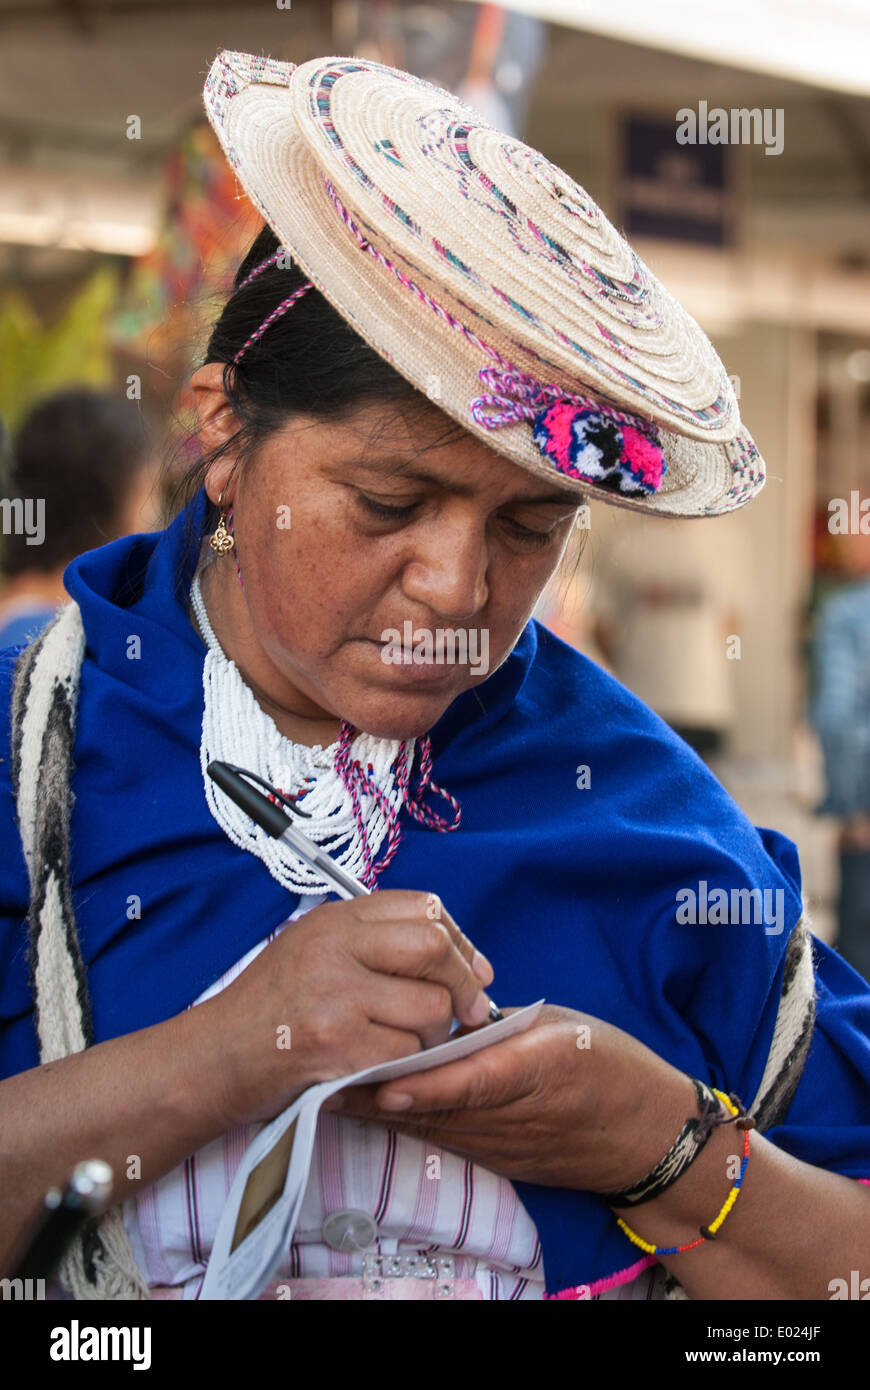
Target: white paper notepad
<point>257,1224</point>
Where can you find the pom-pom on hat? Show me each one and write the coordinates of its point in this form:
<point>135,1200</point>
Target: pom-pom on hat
<point>488,278</point>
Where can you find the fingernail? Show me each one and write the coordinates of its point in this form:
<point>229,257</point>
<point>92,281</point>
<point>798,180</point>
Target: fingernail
<point>397,1100</point>
<point>482,969</point>
<point>433,907</point>
<point>479,1010</point>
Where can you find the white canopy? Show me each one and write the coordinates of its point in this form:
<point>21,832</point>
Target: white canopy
<point>825,43</point>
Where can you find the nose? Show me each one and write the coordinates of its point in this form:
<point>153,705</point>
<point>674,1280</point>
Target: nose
<point>447,571</point>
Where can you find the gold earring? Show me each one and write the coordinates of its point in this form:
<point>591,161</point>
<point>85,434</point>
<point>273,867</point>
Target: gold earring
<point>222,541</point>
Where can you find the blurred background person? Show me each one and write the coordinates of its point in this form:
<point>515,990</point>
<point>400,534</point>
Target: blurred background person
<point>668,600</point>
<point>87,456</point>
<point>840,711</point>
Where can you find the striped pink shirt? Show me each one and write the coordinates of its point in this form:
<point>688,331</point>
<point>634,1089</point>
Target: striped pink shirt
<point>421,1198</point>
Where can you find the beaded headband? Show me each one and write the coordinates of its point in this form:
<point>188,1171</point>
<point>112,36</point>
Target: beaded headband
<point>276,313</point>
<point>488,278</point>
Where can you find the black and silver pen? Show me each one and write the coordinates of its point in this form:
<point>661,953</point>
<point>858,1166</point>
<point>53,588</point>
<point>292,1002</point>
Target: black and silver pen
<point>276,822</point>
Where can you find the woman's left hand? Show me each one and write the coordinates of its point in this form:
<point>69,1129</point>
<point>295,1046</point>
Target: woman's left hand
<point>572,1102</point>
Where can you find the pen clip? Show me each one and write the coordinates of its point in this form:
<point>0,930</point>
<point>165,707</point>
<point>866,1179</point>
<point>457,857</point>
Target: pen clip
<point>288,801</point>
<point>267,813</point>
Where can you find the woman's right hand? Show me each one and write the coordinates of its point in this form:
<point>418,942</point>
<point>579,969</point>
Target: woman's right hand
<point>356,983</point>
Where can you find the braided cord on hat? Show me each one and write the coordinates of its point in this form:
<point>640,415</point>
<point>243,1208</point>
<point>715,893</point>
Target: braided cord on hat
<point>523,395</point>
<point>515,394</point>
<point>582,436</point>
<point>372,250</point>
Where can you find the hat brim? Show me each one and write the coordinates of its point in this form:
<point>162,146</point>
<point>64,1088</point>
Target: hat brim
<point>252,107</point>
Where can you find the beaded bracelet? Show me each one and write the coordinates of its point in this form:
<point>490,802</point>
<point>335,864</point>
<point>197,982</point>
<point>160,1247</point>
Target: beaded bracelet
<point>683,1152</point>
<point>746,1123</point>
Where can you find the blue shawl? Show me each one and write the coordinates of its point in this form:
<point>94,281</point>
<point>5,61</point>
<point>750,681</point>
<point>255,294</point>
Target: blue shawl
<point>571,891</point>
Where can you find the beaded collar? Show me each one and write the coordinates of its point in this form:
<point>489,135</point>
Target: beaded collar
<point>353,790</point>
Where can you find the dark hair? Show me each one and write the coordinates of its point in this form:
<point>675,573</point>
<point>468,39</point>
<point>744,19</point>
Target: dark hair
<point>309,361</point>
<point>79,450</point>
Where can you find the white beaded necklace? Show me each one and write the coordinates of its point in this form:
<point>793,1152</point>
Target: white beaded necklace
<point>236,729</point>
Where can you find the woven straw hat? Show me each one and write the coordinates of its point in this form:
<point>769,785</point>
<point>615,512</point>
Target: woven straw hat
<point>488,278</point>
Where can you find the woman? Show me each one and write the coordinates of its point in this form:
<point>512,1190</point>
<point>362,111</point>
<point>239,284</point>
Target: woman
<point>527,822</point>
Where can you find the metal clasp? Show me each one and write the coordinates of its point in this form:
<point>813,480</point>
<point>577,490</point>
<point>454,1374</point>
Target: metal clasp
<point>377,1269</point>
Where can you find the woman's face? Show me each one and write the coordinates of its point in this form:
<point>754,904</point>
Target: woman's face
<point>360,542</point>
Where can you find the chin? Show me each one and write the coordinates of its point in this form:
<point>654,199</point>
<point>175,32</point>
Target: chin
<point>407,716</point>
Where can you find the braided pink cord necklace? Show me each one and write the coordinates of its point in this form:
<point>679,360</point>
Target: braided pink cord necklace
<point>358,780</point>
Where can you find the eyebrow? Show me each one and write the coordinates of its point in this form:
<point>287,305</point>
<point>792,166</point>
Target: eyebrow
<point>404,469</point>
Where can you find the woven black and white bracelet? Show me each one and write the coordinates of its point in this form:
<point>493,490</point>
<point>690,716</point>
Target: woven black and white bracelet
<point>685,1149</point>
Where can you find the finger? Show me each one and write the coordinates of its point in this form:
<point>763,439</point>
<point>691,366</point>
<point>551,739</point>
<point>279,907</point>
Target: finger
<point>476,959</point>
<point>361,1103</point>
<point>406,905</point>
<point>490,1079</point>
<point>474,1144</point>
<point>362,1100</point>
<point>416,1006</point>
<point>453,1131</point>
<point>424,950</point>
<point>397,905</point>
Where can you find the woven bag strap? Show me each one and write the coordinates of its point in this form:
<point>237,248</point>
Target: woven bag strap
<point>793,1031</point>
<point>100,1264</point>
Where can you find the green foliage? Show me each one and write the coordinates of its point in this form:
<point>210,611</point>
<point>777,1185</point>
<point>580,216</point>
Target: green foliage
<point>76,350</point>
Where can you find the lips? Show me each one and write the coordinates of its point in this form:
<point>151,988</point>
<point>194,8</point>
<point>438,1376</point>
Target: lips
<point>423,673</point>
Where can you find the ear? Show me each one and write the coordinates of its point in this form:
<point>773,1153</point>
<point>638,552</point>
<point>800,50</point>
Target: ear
<point>217,422</point>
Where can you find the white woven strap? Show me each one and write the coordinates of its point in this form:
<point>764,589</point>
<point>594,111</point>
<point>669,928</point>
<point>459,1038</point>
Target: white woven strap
<point>793,1030</point>
<point>45,694</point>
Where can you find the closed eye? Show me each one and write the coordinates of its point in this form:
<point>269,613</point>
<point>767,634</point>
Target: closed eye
<point>384,512</point>
<point>529,536</point>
